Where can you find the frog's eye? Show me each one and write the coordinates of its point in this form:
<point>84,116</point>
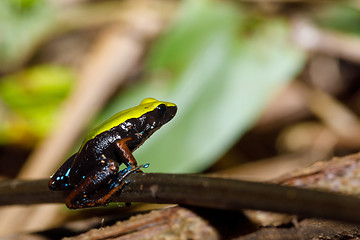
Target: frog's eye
<point>161,108</point>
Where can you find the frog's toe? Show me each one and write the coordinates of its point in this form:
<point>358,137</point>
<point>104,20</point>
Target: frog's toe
<point>130,169</point>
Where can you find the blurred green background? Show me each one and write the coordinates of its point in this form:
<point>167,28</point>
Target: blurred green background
<point>221,62</point>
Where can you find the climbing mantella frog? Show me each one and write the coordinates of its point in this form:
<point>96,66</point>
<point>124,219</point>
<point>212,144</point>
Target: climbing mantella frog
<point>92,174</point>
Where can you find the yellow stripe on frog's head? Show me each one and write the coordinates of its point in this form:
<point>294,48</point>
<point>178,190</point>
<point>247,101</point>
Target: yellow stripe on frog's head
<point>146,105</point>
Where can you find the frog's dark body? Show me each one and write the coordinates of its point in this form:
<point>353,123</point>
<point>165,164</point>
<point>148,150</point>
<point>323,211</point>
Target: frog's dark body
<point>97,162</point>
<point>104,145</point>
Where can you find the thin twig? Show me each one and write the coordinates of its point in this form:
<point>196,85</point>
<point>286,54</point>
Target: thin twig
<point>203,191</point>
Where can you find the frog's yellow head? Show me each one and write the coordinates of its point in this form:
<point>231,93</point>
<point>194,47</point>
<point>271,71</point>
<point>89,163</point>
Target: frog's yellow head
<point>156,112</point>
<point>163,110</point>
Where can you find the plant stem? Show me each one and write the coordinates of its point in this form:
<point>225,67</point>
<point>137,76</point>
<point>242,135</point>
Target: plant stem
<point>202,191</point>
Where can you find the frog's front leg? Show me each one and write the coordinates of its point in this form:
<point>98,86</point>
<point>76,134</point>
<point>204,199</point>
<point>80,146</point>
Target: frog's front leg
<point>82,195</point>
<point>126,154</point>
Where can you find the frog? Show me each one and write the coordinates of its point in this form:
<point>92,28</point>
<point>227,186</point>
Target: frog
<point>92,175</point>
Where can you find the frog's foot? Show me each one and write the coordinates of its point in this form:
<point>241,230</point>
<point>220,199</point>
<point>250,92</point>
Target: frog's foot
<point>120,182</point>
<point>131,169</point>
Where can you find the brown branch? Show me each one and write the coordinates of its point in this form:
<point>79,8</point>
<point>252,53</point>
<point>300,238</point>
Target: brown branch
<point>203,191</point>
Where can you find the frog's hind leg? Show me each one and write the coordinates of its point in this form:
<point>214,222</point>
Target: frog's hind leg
<point>82,195</point>
<point>116,185</point>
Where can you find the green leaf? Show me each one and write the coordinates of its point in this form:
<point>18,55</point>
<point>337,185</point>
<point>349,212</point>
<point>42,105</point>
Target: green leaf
<point>23,25</point>
<point>339,16</point>
<point>31,100</point>
<point>221,67</point>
